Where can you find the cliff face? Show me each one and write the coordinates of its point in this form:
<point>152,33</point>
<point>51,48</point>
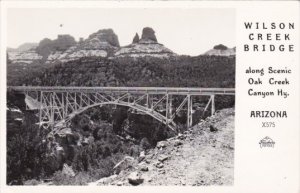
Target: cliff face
<point>63,42</point>
<point>146,46</point>
<point>100,44</point>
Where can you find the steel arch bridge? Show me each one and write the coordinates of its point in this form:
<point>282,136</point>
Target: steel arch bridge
<point>58,105</point>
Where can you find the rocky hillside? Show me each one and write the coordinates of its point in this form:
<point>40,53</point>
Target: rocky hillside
<point>221,50</point>
<point>201,156</point>
<point>147,45</point>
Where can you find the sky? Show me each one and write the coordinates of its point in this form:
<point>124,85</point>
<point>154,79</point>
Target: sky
<point>190,31</point>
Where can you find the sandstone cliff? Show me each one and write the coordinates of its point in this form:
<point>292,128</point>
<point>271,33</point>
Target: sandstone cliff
<point>100,44</point>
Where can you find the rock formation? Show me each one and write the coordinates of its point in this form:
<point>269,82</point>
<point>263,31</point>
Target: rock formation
<point>100,44</point>
<point>220,50</point>
<point>146,46</point>
<point>220,47</point>
<point>105,36</point>
<point>47,47</point>
<point>63,42</point>
<point>136,39</point>
<point>148,34</point>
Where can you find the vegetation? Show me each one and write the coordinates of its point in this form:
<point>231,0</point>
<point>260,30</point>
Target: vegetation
<point>184,71</point>
<point>25,151</point>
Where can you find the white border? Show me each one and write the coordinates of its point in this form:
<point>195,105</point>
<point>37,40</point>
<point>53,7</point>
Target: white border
<point>124,4</point>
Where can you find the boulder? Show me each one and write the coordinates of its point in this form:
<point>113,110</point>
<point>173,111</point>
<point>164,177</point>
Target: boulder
<point>159,165</point>
<point>213,128</point>
<point>177,142</point>
<point>142,156</point>
<point>135,179</point>
<point>162,158</point>
<point>148,161</point>
<point>162,144</point>
<point>144,168</point>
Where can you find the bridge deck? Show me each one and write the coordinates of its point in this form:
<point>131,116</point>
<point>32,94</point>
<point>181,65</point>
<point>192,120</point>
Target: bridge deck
<point>133,90</point>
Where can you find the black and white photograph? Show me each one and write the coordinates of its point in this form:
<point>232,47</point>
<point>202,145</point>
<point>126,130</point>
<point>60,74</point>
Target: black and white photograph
<point>120,96</point>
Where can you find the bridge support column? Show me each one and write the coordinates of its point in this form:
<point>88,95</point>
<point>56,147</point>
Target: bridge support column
<point>51,110</point>
<point>41,110</point>
<point>212,104</point>
<point>167,108</point>
<point>63,106</point>
<point>189,111</point>
<point>147,100</point>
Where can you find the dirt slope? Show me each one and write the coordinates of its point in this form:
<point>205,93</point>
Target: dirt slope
<point>203,155</point>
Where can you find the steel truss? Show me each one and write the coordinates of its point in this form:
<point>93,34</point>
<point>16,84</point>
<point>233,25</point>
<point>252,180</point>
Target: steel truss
<point>60,104</point>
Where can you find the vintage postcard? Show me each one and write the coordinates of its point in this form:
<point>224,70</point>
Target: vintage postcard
<point>166,96</point>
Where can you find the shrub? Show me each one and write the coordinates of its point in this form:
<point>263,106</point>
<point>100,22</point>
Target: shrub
<point>26,152</point>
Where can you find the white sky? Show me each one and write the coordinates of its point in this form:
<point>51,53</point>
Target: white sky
<point>185,31</point>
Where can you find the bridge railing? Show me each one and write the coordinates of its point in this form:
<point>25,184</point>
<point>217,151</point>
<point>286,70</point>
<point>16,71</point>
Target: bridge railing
<point>133,90</point>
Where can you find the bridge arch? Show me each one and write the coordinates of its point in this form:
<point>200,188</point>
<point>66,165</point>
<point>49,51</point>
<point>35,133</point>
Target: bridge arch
<point>154,114</point>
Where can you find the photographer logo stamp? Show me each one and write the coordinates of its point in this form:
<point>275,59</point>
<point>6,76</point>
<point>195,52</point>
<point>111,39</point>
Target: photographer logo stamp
<point>266,142</point>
